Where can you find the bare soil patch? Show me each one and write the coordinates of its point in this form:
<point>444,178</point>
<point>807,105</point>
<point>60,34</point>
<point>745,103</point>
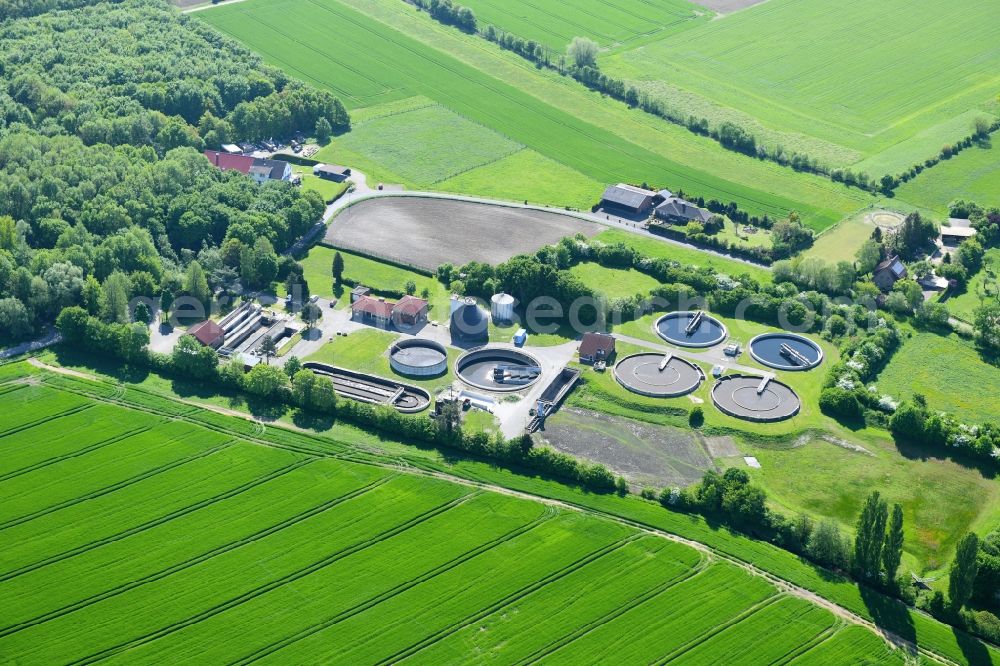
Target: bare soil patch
<point>646,455</point>
<point>722,447</point>
<point>427,232</point>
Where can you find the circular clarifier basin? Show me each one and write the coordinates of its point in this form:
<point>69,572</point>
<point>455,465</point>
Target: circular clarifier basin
<point>498,369</point>
<point>690,328</point>
<point>786,351</point>
<point>755,398</point>
<point>658,375</point>
<point>418,358</point>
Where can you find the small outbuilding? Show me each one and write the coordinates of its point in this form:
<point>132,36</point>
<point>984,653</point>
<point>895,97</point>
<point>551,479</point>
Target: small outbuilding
<point>953,236</point>
<point>208,333</point>
<point>888,273</point>
<point>359,292</point>
<point>596,348</point>
<point>410,311</point>
<point>628,199</point>
<point>337,174</point>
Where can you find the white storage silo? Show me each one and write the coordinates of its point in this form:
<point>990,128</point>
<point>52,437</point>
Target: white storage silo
<point>502,307</point>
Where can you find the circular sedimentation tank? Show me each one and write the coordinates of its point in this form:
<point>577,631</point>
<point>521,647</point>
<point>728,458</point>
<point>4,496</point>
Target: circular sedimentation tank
<point>653,375</point>
<point>498,369</point>
<point>786,351</point>
<point>418,358</point>
<point>750,399</point>
<point>690,328</point>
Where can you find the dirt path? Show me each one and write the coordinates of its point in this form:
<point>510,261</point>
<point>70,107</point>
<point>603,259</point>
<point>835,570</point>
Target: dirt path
<point>783,585</point>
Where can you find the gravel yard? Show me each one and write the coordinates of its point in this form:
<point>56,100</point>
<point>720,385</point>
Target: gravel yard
<point>427,232</point>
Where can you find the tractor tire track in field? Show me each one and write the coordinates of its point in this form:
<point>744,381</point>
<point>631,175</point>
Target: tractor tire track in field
<point>521,594</point>
<point>433,573</point>
<point>651,161</point>
<point>818,639</point>
<point>78,452</point>
<point>194,408</point>
<point>232,492</point>
<point>44,419</point>
<point>117,486</point>
<point>279,582</point>
<point>718,629</point>
<point>198,559</point>
<point>10,388</point>
<point>581,631</point>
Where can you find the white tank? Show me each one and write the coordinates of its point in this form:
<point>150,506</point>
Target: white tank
<point>502,307</point>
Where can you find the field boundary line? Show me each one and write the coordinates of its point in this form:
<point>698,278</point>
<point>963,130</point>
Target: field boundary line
<point>715,630</point>
<point>44,419</point>
<point>351,453</point>
<point>566,639</point>
<point>817,640</point>
<point>124,483</point>
<point>198,559</point>
<point>512,597</point>
<point>194,407</point>
<point>232,492</point>
<point>371,602</point>
<point>74,454</point>
<point>279,582</point>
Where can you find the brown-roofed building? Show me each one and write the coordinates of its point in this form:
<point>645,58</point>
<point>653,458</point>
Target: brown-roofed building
<point>410,311</point>
<point>596,347</point>
<point>208,333</point>
<point>376,311</point>
<point>227,162</point>
<point>888,273</point>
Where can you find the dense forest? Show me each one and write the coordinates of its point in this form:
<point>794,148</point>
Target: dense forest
<point>103,193</point>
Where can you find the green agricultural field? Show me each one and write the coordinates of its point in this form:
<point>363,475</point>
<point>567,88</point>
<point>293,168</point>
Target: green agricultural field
<point>420,144</point>
<point>155,577</point>
<point>611,24</point>
<point>198,545</point>
<point>949,372</point>
<point>389,63</point>
<point>853,74</point>
<point>527,176</point>
<point>614,282</point>
<point>663,249</point>
<point>973,175</point>
<point>982,288</point>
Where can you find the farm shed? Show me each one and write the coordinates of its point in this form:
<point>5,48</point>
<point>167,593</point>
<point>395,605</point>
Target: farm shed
<point>629,199</point>
<point>332,172</point>
<point>953,236</point>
